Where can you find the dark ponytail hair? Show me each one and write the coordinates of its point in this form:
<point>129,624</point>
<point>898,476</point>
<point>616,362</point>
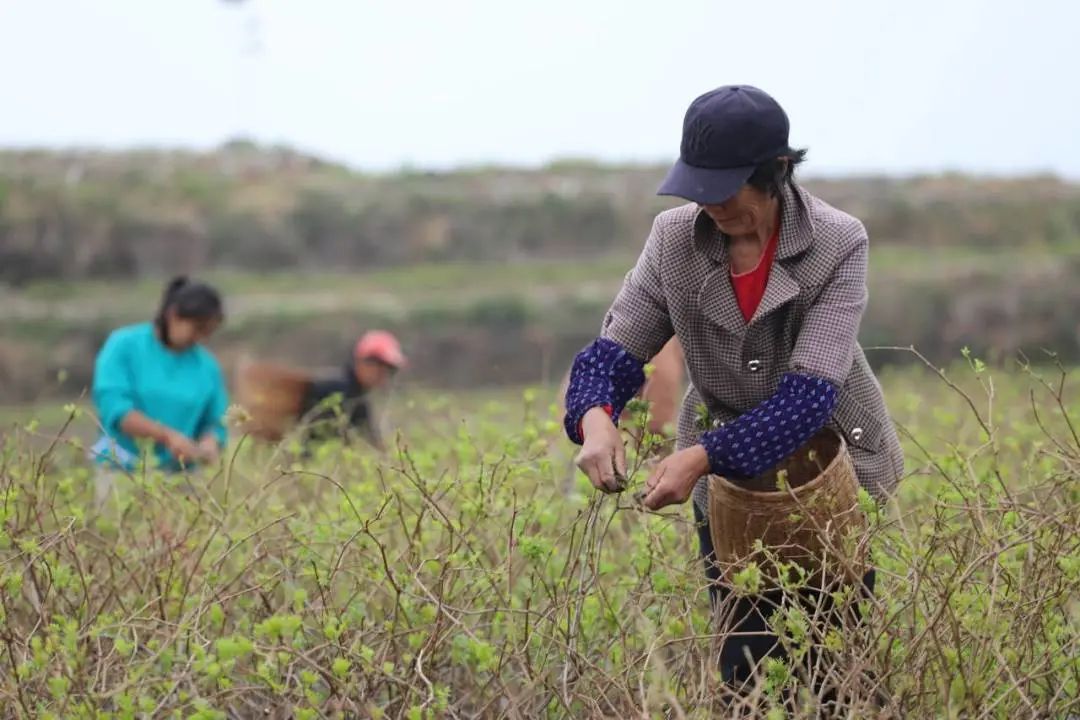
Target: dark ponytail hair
<point>191,300</point>
<point>772,175</point>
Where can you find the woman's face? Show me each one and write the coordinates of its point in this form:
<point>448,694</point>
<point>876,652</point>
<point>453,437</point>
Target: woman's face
<point>186,332</point>
<point>745,213</point>
<point>372,373</point>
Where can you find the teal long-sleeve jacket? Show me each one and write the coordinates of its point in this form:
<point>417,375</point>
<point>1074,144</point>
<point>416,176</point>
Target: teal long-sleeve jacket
<point>183,390</point>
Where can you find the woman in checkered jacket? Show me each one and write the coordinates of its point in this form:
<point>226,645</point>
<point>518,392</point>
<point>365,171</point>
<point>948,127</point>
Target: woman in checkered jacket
<point>765,286</point>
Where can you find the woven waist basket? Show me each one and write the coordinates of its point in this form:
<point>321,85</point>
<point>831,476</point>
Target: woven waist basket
<point>272,396</point>
<point>815,522</point>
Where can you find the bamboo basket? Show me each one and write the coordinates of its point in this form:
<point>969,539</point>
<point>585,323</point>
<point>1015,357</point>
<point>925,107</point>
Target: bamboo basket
<point>816,522</point>
<point>271,395</point>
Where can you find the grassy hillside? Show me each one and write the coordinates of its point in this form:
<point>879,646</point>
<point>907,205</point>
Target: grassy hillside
<point>470,325</point>
<point>83,215</point>
<point>492,275</point>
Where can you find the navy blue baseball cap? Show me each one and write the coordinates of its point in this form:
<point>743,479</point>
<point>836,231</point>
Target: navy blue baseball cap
<point>727,133</point>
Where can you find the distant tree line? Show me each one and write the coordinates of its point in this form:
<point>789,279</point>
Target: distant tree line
<point>123,215</point>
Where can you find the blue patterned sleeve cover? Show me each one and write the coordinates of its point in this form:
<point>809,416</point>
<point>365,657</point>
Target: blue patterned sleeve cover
<point>759,439</point>
<point>604,373</point>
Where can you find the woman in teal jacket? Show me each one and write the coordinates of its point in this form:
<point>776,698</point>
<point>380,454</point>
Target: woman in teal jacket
<point>155,384</point>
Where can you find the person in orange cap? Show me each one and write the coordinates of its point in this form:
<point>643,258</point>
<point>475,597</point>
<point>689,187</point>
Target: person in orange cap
<point>376,359</point>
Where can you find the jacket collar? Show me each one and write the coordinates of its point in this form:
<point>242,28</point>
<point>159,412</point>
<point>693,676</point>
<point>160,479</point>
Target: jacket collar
<point>796,228</point>
<point>717,297</point>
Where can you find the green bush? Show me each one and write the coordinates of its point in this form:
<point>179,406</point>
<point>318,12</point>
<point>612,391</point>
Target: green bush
<point>471,574</point>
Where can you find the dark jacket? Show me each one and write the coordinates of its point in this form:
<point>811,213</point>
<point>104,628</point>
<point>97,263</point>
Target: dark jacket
<point>326,419</point>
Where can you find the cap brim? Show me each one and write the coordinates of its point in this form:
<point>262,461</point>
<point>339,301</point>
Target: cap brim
<point>705,186</point>
<point>386,357</point>
<point>394,360</point>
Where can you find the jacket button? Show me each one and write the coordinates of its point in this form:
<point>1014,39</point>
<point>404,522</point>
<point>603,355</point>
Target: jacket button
<point>753,365</point>
<point>856,434</point>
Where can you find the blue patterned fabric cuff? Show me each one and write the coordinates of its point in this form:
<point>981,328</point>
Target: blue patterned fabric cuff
<point>759,439</point>
<point>603,373</point>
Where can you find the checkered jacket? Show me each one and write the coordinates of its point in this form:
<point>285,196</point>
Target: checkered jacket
<point>808,322</point>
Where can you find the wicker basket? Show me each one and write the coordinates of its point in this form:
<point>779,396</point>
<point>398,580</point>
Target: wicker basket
<point>272,395</point>
<point>816,522</point>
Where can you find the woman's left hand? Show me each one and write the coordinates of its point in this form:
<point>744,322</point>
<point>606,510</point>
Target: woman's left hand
<point>674,477</point>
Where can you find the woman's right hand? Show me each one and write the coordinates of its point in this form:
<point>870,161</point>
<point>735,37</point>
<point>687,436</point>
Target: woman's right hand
<point>602,456</point>
<point>181,447</point>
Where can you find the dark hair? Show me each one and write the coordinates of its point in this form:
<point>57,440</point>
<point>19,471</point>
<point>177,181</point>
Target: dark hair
<point>771,175</point>
<point>190,300</point>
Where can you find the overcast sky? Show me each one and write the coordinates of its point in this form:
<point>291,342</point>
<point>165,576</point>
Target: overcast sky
<point>919,85</point>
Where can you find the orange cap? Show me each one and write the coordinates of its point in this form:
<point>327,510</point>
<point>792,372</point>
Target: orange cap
<point>382,346</point>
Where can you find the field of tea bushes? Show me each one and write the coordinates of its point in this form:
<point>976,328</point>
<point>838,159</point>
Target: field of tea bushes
<point>470,573</point>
